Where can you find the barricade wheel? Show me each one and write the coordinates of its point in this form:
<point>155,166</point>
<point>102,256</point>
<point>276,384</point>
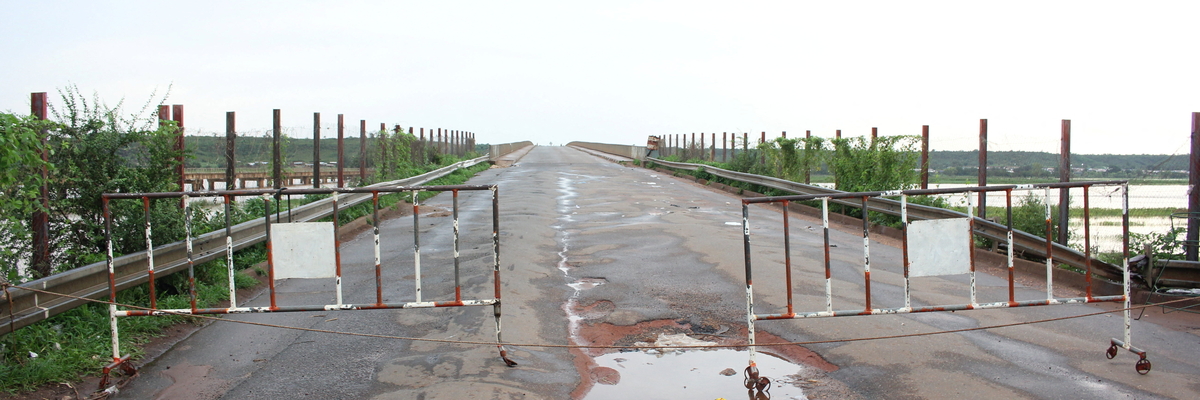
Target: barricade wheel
<point>1112,352</point>
<point>1142,366</point>
<point>750,375</point>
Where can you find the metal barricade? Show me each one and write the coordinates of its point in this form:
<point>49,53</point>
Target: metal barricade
<point>966,238</point>
<point>265,195</point>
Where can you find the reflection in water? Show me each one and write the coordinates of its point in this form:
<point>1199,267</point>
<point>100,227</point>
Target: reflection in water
<point>694,374</point>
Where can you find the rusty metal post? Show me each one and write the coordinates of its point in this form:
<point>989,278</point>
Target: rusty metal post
<point>362,152</point>
<point>838,134</point>
<point>924,156</point>
<point>41,218</point>
<point>316,169</point>
<point>1064,175</point>
<point>724,148</point>
<point>341,151</point>
<point>783,135</point>
<point>874,135</point>
<point>276,149</point>
<point>1193,229</point>
<point>807,165</point>
<point>177,115</point>
<point>983,166</point>
<point>762,156</point>
<point>745,141</point>
<point>230,151</point>
<point>703,149</point>
<point>439,141</point>
<point>422,146</point>
<point>712,152</point>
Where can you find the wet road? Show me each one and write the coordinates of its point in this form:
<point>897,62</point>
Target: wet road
<point>597,253</point>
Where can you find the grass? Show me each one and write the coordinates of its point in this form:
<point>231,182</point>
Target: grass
<point>76,343</point>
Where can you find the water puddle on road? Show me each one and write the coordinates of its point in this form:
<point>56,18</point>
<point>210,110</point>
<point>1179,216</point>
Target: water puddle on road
<point>669,374</point>
<point>694,374</point>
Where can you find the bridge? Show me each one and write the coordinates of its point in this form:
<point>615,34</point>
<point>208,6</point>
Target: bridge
<point>598,252</point>
<point>214,178</point>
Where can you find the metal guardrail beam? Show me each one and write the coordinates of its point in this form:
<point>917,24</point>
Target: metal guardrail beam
<point>1023,241</point>
<point>91,281</point>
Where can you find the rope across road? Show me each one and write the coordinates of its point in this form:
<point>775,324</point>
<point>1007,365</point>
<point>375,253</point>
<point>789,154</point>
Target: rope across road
<point>574,346</point>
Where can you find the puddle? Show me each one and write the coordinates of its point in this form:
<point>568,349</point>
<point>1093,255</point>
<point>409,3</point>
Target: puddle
<point>694,374</point>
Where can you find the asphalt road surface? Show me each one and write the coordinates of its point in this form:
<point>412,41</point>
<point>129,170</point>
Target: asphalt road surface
<point>593,252</point>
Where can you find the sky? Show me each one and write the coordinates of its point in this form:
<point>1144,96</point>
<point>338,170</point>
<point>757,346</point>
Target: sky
<point>550,72</point>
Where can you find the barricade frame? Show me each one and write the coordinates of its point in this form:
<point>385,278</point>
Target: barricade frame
<point>751,374</point>
<point>267,196</point>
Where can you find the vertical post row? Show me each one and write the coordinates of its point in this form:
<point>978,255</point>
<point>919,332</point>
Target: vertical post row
<point>362,152</point>
<point>983,164</point>
<point>1064,175</point>
<point>276,148</point>
<point>807,166</point>
<point>924,156</point>
<point>316,170</point>
<point>341,151</point>
<point>230,151</point>
<point>41,218</point>
<point>177,115</point>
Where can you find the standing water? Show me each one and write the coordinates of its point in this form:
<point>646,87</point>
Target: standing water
<point>664,374</point>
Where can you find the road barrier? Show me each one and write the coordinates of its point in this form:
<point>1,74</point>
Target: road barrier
<point>935,247</point>
<point>24,307</point>
<point>292,270</point>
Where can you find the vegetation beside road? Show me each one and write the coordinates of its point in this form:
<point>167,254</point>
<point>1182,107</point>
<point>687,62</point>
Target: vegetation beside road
<point>95,149</point>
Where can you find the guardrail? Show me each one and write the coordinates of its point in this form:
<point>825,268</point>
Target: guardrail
<point>24,307</point>
<point>1026,242</point>
<point>500,150</point>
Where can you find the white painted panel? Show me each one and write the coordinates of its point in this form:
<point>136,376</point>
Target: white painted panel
<point>939,247</point>
<point>303,250</point>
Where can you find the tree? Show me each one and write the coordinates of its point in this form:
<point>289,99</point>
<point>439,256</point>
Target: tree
<point>94,149</point>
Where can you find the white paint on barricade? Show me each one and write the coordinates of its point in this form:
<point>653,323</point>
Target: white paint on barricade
<point>939,247</point>
<point>934,247</point>
<point>303,250</point>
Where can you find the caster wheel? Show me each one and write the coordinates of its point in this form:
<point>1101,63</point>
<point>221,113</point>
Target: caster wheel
<point>1142,366</point>
<point>1112,352</point>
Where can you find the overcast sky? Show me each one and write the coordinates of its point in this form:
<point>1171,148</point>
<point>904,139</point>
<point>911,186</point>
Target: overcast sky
<point>1125,73</point>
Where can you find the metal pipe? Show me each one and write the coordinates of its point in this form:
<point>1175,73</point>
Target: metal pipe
<point>828,271</point>
<point>270,252</point>
<point>378,268</point>
<point>787,255</point>
<point>229,267</point>
<point>866,252</point>
<point>904,247</point>
<point>149,252</point>
<point>454,215</point>
<point>337,251</point>
<point>417,243</point>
